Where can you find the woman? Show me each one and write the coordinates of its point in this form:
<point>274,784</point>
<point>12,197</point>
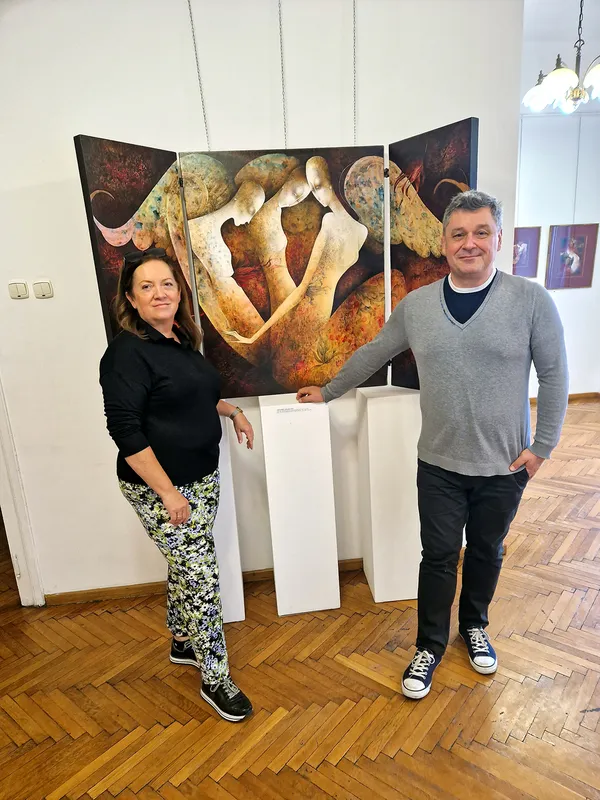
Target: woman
<point>162,406</point>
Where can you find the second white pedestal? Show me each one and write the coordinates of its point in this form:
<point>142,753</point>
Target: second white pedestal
<point>389,420</point>
<point>226,539</point>
<point>301,506</point>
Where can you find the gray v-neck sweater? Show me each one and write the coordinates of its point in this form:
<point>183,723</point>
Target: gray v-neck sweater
<point>475,376</point>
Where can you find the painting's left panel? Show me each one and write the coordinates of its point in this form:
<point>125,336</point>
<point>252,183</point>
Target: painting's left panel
<point>132,201</point>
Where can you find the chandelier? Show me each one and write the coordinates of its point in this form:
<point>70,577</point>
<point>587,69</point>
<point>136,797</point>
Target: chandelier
<point>563,88</point>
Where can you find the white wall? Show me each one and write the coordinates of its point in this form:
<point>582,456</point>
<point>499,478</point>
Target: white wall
<point>559,184</point>
<point>124,69</point>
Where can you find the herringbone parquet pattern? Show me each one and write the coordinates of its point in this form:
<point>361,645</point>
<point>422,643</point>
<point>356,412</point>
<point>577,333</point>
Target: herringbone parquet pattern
<point>90,706</point>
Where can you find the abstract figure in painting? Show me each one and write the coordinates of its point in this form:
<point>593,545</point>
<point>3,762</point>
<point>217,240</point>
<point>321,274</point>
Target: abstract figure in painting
<point>304,331</point>
<point>526,249</point>
<point>519,252</point>
<point>221,298</point>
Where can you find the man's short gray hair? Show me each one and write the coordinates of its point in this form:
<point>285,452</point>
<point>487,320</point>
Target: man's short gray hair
<point>473,201</point>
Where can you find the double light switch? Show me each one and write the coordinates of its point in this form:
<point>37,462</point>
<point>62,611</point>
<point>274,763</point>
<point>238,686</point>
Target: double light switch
<point>19,290</point>
<point>43,289</point>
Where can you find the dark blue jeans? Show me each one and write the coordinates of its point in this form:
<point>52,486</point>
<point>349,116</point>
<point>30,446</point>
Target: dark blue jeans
<point>449,501</point>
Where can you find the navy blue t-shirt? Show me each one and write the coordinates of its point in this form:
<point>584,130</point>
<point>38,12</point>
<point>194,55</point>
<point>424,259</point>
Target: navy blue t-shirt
<point>462,305</point>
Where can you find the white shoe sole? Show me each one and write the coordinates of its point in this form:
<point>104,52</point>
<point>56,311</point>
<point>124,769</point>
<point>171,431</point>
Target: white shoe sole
<point>418,694</point>
<point>483,670</point>
<point>228,717</point>
<point>190,662</point>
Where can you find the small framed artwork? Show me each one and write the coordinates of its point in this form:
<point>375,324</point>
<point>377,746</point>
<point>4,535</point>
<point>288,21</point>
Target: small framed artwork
<point>526,251</point>
<point>571,254</point>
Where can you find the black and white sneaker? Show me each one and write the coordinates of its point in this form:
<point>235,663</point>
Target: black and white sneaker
<point>481,653</point>
<point>416,681</point>
<point>183,653</point>
<point>227,699</point>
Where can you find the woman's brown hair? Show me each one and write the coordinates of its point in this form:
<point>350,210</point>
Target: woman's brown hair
<point>127,316</point>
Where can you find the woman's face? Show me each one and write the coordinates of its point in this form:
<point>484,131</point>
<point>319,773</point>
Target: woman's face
<point>293,191</point>
<point>243,213</point>
<point>319,181</point>
<point>155,293</point>
<point>247,202</point>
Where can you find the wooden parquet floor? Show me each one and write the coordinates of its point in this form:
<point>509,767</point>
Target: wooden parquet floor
<point>90,706</point>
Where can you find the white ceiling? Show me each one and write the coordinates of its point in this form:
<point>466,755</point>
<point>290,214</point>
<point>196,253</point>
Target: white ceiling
<point>555,20</point>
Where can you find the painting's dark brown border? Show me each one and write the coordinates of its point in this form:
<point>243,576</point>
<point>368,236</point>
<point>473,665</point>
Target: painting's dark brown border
<point>102,288</point>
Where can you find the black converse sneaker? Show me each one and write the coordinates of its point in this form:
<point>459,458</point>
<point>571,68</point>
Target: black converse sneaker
<point>481,653</point>
<point>183,653</point>
<point>227,699</point>
<point>416,681</point>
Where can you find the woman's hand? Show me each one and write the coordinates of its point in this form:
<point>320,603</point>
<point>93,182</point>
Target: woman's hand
<point>243,428</point>
<point>177,506</point>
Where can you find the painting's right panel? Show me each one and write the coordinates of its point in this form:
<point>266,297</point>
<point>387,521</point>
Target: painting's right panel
<point>426,171</point>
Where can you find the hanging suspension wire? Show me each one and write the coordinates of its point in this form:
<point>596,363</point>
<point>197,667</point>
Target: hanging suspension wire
<point>354,65</point>
<point>580,41</point>
<point>189,3</point>
<point>283,96</point>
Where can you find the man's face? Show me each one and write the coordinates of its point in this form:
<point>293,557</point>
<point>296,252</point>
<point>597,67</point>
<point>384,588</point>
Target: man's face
<point>471,241</point>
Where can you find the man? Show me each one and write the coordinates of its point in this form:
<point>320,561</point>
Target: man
<point>474,335</point>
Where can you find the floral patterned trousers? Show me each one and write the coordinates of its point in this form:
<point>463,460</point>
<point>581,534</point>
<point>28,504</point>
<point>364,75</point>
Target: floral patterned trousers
<point>193,595</point>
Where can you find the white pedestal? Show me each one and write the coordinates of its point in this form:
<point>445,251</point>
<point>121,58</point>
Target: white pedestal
<point>301,506</point>
<point>226,538</point>
<point>389,425</point>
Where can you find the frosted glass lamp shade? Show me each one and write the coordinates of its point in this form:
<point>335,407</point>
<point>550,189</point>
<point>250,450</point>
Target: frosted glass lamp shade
<point>566,105</point>
<point>591,82</point>
<point>572,101</point>
<point>536,98</point>
<point>558,82</point>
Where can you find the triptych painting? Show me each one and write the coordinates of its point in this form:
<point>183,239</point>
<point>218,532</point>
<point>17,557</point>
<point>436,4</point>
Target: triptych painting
<point>284,251</point>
